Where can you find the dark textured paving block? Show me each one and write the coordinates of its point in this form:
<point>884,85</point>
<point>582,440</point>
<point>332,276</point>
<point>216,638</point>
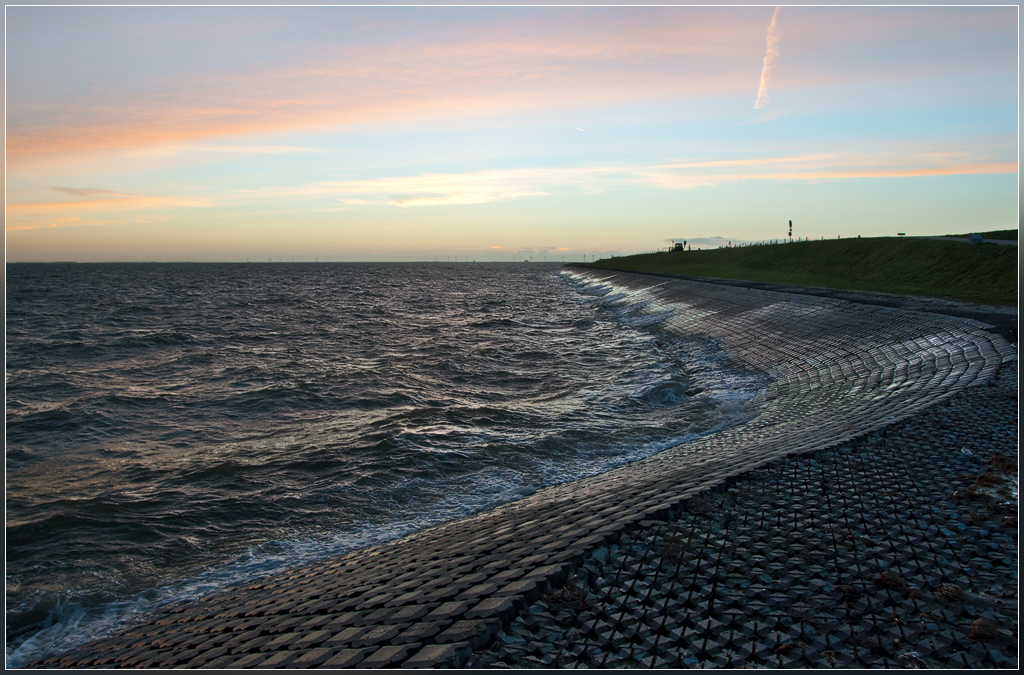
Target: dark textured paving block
<point>378,635</point>
<point>389,656</point>
<point>420,632</point>
<point>503,608</point>
<point>530,588</point>
<point>346,636</point>
<point>451,655</point>
<point>247,661</point>
<point>476,633</point>
<point>345,658</point>
<point>313,658</point>
<point>447,611</point>
<point>280,659</point>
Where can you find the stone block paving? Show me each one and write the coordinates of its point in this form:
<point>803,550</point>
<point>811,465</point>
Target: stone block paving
<point>890,551</point>
<point>836,371</point>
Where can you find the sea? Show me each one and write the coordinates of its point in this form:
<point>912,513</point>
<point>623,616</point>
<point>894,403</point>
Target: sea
<point>176,429</point>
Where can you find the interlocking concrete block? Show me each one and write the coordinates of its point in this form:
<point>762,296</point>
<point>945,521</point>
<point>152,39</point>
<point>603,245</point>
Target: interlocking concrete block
<point>339,621</point>
<point>226,661</point>
<point>317,606</point>
<point>478,591</point>
<point>313,658</point>
<point>420,632</point>
<point>346,636</point>
<point>451,655</point>
<point>375,602</point>
<point>247,661</point>
<point>410,613</point>
<point>311,639</point>
<point>207,656</point>
<point>279,642</point>
<point>280,659</point>
<point>476,578</point>
<point>476,633</point>
<point>379,616</point>
<point>413,597</point>
<point>531,561</point>
<point>377,635</point>
<point>389,656</point>
<point>495,562</point>
<point>554,574</point>
<point>315,623</point>
<point>443,594</point>
<point>530,588</point>
<point>448,611</point>
<point>345,658</point>
<point>504,608</point>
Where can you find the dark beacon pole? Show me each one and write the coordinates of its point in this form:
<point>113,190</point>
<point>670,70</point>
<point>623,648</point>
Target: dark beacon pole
<point>791,232</point>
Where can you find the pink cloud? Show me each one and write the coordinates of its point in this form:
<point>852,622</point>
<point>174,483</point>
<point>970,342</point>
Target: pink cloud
<point>119,204</point>
<point>423,63</point>
<point>838,165</point>
<point>102,204</point>
<point>543,58</point>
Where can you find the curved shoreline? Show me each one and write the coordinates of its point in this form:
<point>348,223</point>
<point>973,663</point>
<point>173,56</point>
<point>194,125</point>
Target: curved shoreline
<point>839,371</point>
<point>1001,318</point>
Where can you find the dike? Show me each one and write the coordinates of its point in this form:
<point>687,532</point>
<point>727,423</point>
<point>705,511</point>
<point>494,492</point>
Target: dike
<point>837,371</point>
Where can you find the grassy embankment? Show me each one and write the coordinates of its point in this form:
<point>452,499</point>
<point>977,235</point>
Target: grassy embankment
<point>997,235</point>
<point>986,273</point>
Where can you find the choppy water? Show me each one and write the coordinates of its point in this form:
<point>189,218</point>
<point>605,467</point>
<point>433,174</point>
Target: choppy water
<point>174,429</point>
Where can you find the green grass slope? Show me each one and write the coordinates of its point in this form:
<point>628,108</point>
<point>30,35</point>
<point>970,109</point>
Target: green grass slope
<point>1004,235</point>
<point>986,273</point>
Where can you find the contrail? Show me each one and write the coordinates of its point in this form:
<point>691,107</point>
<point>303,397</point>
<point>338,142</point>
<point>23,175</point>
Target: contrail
<point>769,56</point>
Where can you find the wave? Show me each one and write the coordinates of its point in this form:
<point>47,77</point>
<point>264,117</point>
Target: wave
<point>226,463</point>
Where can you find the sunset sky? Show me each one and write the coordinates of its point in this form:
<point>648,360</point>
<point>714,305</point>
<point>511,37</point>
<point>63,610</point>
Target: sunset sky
<point>411,133</point>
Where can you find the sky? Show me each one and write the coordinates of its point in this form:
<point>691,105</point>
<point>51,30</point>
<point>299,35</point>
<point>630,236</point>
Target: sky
<point>499,133</point>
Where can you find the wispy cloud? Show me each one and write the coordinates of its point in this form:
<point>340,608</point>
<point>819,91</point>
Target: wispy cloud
<point>823,166</point>
<point>133,202</point>
<point>89,192</point>
<point>177,149</point>
<point>746,161</point>
<point>952,170</point>
<point>452,64</point>
<point>65,221</point>
<point>98,202</point>
<point>450,189</point>
<point>75,221</point>
<point>771,52</point>
<point>482,187</point>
